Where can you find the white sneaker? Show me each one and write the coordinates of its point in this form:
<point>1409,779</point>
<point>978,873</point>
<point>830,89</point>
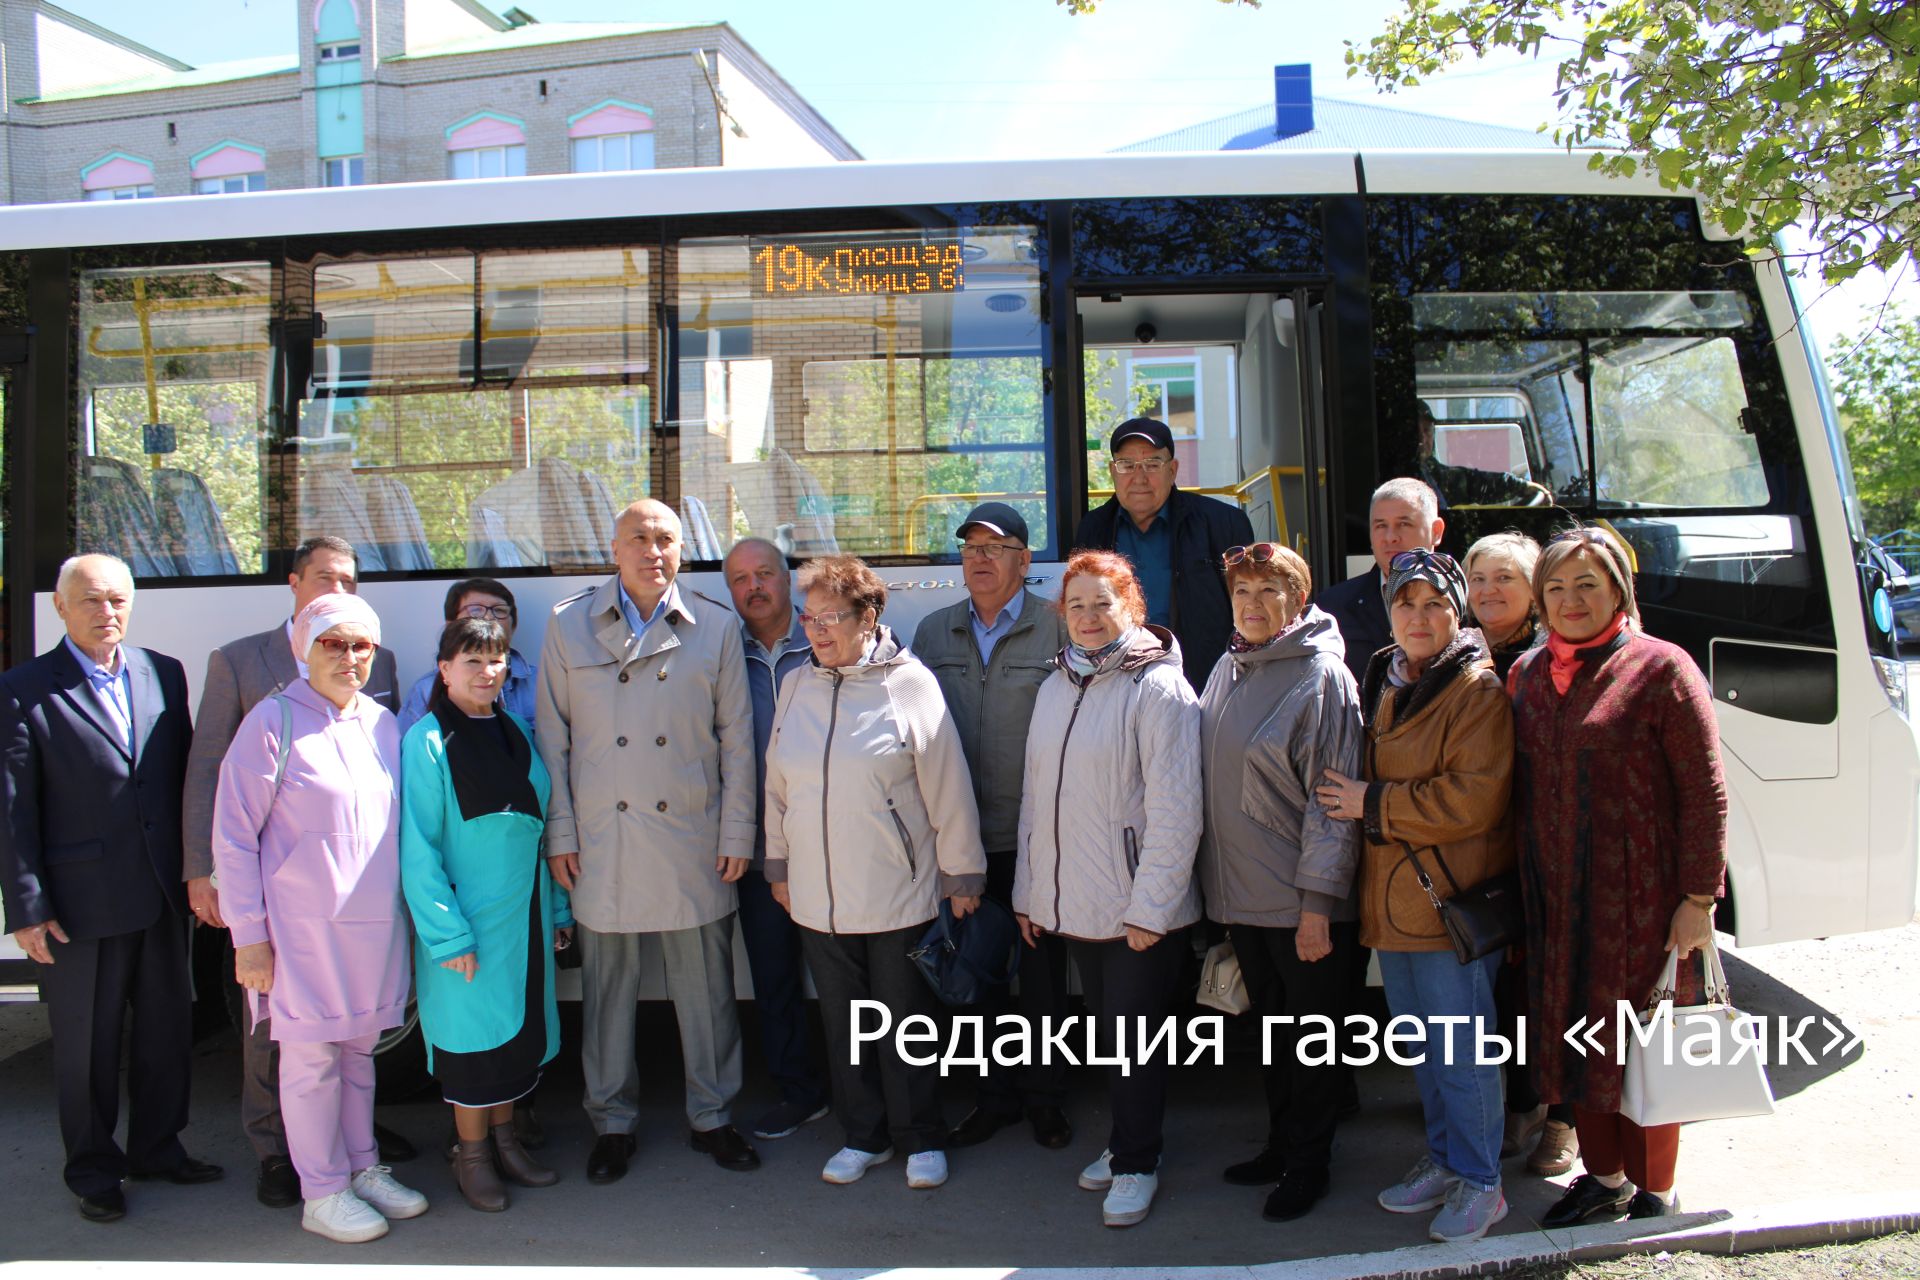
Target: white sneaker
<point>375,1184</point>
<point>926,1169</point>
<point>848,1165</point>
<point>1098,1176</point>
<point>1129,1198</point>
<point>343,1217</point>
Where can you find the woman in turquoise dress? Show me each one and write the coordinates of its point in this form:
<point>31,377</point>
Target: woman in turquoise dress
<point>487,916</point>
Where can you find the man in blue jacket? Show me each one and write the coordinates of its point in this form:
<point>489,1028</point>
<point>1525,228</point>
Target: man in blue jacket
<point>1173,539</point>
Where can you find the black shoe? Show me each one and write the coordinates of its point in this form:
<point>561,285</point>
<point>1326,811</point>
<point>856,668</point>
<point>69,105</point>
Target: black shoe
<point>1588,1197</point>
<point>527,1128</point>
<point>1299,1191</point>
<point>279,1184</point>
<point>784,1119</point>
<point>727,1147</point>
<point>1051,1128</point>
<point>394,1149</point>
<point>1349,1105</point>
<point>188,1173</point>
<point>1645,1204</point>
<point>607,1162</point>
<point>979,1125</point>
<point>106,1206</point>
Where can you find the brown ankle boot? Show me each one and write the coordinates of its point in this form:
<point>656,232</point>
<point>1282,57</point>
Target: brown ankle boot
<point>473,1170</point>
<point>515,1163</point>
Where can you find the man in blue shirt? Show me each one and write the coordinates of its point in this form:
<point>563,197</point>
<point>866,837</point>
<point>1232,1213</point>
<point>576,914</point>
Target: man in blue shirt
<point>480,598</point>
<point>776,646</point>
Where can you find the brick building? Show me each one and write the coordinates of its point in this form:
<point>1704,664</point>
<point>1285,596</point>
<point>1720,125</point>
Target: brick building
<point>386,91</point>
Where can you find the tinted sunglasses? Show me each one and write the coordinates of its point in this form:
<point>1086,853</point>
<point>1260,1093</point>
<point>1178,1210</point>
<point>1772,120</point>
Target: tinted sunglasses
<point>335,646</point>
<point>1419,556</point>
<point>1258,553</point>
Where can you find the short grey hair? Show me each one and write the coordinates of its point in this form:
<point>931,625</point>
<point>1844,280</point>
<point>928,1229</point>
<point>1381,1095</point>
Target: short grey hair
<point>755,540</point>
<point>71,566</point>
<point>1415,493</point>
<point>1509,544</point>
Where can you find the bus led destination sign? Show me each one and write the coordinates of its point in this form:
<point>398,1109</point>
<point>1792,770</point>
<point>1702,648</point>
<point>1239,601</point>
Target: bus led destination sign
<point>820,268</point>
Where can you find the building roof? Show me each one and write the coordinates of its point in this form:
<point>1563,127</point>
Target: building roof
<point>191,78</point>
<point>1360,126</point>
<point>542,33</point>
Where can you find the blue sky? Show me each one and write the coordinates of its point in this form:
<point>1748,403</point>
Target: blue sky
<point>908,79</point>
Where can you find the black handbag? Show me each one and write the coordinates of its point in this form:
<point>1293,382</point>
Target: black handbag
<point>1479,921</point>
<point>961,959</point>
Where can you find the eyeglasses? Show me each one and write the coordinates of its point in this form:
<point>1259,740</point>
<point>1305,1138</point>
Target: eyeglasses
<point>1127,466</point>
<point>1418,556</point>
<point>335,647</point>
<point>990,550</point>
<point>498,612</point>
<point>833,618</point>
<point>1258,553</point>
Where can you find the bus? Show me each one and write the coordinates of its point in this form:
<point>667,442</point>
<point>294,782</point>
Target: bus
<point>473,377</point>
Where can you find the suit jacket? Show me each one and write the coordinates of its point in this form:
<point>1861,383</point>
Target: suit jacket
<point>239,675</point>
<point>91,833</point>
<point>1356,605</point>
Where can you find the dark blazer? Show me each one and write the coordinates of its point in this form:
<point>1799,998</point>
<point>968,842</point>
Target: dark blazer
<point>1203,528</point>
<point>1356,605</point>
<point>91,835</point>
<point>239,674</point>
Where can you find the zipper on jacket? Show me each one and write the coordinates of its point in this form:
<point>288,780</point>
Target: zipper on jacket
<point>1059,780</point>
<point>1132,844</point>
<point>906,842</point>
<point>826,784</point>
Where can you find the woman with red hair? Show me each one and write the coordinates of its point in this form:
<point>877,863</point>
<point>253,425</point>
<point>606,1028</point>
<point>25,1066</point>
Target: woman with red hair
<point>1109,823</point>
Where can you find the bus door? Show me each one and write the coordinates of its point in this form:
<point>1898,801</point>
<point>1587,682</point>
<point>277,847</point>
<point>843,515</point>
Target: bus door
<point>1238,377</point>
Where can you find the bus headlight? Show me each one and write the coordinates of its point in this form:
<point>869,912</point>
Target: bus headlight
<point>1893,680</point>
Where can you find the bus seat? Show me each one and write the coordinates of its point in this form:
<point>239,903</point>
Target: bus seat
<point>330,503</point>
<point>117,517</point>
<point>396,520</point>
<point>701,539</point>
<point>781,495</point>
<point>190,523</point>
<point>550,513</point>
<point>488,544</point>
<point>600,508</point>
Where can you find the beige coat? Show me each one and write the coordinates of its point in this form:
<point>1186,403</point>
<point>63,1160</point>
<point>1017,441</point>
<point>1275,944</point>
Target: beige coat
<point>649,742</point>
<point>870,811</point>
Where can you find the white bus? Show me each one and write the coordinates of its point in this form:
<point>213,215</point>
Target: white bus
<point>471,377</point>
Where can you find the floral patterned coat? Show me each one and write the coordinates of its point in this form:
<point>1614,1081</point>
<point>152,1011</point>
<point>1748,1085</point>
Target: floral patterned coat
<point>1622,812</point>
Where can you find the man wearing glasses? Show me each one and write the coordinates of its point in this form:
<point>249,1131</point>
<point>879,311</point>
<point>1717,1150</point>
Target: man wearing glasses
<point>990,654</point>
<point>480,598</point>
<point>1174,540</point>
<point>1403,516</point>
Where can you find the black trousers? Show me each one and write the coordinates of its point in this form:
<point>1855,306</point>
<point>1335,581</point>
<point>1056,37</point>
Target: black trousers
<point>884,1102</point>
<point>1042,993</point>
<point>88,988</point>
<point>1303,1102</point>
<point>772,941</point>
<point>1120,982</point>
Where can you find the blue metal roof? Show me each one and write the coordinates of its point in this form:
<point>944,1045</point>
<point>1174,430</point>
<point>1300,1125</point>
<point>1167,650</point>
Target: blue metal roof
<point>1343,125</point>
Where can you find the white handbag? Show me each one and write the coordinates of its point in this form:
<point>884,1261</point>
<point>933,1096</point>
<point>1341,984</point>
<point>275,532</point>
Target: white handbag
<point>1221,985</point>
<point>1705,1063</point>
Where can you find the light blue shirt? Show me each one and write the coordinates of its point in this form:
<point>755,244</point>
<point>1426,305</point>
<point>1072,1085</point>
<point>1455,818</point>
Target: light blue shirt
<point>112,690</point>
<point>516,695</point>
<point>986,637</point>
<point>631,611</point>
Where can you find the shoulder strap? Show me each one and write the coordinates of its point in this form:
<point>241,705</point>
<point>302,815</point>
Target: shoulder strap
<point>1420,872</point>
<point>286,740</point>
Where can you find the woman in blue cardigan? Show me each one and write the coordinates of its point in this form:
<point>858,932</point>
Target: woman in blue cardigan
<point>487,916</point>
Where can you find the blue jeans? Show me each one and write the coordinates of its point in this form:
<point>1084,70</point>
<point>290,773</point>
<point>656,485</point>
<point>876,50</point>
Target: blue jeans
<point>1462,1103</point>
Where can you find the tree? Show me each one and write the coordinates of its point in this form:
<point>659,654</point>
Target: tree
<point>1775,111</point>
<point>1878,389</point>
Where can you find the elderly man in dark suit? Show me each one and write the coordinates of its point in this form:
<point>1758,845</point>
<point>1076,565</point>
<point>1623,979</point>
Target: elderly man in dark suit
<point>96,737</point>
<point>239,674</point>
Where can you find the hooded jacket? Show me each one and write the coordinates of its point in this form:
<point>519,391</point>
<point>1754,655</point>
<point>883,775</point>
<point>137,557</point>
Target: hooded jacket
<point>1439,776</point>
<point>1272,721</point>
<point>870,815</point>
<point>1110,806</point>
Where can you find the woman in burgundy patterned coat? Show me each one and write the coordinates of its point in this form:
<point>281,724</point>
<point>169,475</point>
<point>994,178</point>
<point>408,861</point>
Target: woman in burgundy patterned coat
<point>1622,825</point>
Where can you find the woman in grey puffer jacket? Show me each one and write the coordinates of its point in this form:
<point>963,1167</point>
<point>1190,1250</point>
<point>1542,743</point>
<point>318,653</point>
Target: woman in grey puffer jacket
<point>1109,820</point>
<point>1279,710</point>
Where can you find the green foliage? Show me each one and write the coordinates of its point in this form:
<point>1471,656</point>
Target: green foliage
<point>1776,112</point>
<point>1878,389</point>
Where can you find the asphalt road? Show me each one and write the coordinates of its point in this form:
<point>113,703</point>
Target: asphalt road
<point>1842,1127</point>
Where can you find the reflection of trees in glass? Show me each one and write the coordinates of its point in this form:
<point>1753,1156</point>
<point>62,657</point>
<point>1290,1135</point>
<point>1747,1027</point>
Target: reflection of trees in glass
<point>1668,428</point>
<point>216,429</point>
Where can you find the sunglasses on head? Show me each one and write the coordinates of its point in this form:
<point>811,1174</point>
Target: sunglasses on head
<point>335,646</point>
<point>1595,536</point>
<point>1418,556</point>
<point>1258,553</point>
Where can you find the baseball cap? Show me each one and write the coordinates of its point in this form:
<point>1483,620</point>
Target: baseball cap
<point>1152,430</point>
<point>997,518</point>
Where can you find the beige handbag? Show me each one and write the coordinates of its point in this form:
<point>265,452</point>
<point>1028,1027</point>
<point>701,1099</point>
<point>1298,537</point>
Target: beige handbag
<point>1706,1066</point>
<point>1221,986</point>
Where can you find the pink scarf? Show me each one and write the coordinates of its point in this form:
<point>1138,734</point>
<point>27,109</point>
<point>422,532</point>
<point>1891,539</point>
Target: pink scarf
<point>1566,654</point>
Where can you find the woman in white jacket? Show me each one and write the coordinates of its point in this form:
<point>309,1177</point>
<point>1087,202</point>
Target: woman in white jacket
<point>870,822</point>
<point>1110,818</point>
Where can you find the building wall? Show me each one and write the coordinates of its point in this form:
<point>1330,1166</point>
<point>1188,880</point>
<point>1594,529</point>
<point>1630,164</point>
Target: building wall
<point>765,106</point>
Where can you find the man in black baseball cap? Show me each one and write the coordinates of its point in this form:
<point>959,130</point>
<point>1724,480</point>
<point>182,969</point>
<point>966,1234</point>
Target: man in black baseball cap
<point>1173,539</point>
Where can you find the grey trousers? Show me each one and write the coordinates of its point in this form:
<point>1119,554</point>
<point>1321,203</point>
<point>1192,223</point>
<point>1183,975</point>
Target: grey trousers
<point>699,966</point>
<point>260,1092</point>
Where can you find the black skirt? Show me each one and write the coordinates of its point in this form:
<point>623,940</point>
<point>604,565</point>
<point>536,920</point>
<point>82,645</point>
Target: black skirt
<point>490,1077</point>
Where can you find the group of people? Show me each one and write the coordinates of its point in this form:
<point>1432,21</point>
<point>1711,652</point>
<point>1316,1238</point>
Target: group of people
<point>1329,765</point>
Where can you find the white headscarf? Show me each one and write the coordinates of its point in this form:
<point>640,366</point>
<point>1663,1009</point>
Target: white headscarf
<point>323,615</point>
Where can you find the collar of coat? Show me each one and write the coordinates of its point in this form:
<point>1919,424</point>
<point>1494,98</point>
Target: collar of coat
<point>1468,650</point>
<point>1151,644</point>
<point>887,652</point>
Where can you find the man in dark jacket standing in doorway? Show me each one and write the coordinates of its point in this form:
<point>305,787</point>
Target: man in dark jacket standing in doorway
<point>1173,539</point>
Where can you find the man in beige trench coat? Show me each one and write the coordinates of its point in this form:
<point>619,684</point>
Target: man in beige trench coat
<point>646,727</point>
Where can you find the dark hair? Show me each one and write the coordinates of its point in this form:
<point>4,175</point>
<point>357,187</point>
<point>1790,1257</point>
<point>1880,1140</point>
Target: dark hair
<point>1606,549</point>
<point>466,635</point>
<point>486,586</point>
<point>323,542</point>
